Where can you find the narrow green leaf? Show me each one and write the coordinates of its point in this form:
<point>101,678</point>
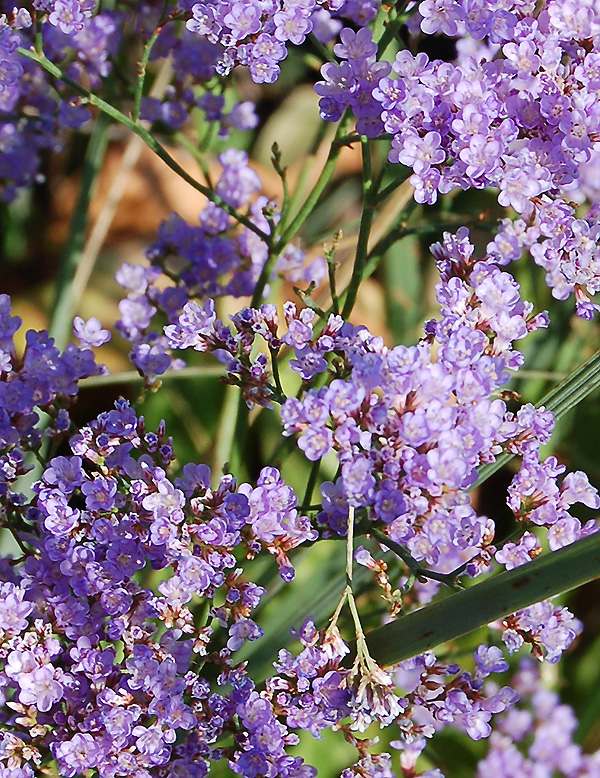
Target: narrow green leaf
<point>483,603</point>
<point>576,387</point>
<point>64,304</point>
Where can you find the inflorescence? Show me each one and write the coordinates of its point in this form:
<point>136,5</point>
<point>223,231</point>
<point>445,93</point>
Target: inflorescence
<point>132,587</point>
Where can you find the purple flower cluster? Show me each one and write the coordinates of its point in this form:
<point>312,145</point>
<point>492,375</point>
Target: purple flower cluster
<point>106,516</point>
<point>311,688</point>
<point>35,115</point>
<point>534,496</point>
<point>68,16</point>
<point>562,243</point>
<point>211,260</point>
<point>519,112</point>
<point>40,380</point>
<point>123,615</point>
<point>194,64</point>
<point>274,518</point>
<point>198,328</point>
<point>352,83</point>
<point>410,425</point>
<point>438,695</point>
<point>549,630</point>
<point>536,736</point>
<point>255,34</point>
<point>522,123</point>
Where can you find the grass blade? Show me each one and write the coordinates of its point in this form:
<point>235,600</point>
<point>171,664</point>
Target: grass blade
<point>494,598</point>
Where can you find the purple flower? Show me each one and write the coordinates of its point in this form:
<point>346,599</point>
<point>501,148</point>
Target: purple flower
<point>90,332</point>
<point>14,609</point>
<point>67,16</point>
<point>316,442</point>
<point>40,688</point>
<point>78,754</point>
<point>100,494</point>
<point>243,19</point>
<point>244,629</point>
<point>490,659</point>
<point>194,327</point>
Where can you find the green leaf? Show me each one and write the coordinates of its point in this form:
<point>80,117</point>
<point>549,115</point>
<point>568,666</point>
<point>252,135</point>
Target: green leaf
<point>494,598</point>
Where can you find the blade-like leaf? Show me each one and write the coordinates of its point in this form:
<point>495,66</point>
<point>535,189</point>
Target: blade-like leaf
<point>582,381</point>
<point>483,603</point>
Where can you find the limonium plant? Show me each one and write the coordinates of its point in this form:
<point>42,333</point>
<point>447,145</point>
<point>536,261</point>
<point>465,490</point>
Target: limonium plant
<point>135,585</point>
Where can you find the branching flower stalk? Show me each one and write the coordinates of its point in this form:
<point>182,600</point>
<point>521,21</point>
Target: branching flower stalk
<point>147,621</point>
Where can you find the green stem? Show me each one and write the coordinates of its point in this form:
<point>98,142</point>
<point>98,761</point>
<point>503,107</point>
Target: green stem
<point>276,376</point>
<point>350,547</point>
<point>38,42</point>
<point>326,55</point>
<point>142,65</point>
<point>335,302</point>
<point>228,425</point>
<point>362,651</point>
<point>64,304</point>
<point>281,171</point>
<point>312,480</point>
<point>364,230</point>
<point>393,236</point>
<point>240,436</point>
<point>148,139</point>
<point>411,562</point>
<point>392,186</point>
<point>287,231</point>
<point>296,195</point>
<point>263,278</point>
<point>188,145</point>
<point>133,377</point>
<point>208,137</point>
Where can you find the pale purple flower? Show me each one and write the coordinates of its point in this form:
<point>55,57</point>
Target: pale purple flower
<point>40,688</point>
<point>90,332</point>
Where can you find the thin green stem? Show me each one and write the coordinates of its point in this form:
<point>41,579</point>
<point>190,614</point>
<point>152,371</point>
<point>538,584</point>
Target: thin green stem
<point>148,139</point>
<point>240,436</point>
<point>276,376</point>
<point>188,145</point>
<point>329,255</point>
<point>312,480</point>
<point>306,507</point>
<point>228,426</point>
<point>133,377</point>
<point>350,546</point>
<point>287,231</point>
<point>392,186</point>
<point>208,136</point>
<point>16,537</point>
<point>338,610</point>
<point>38,42</point>
<point>263,278</point>
<point>281,171</point>
<point>326,55</point>
<point>305,296</point>
<point>412,564</point>
<point>393,236</point>
<point>142,66</point>
<point>296,195</point>
<point>364,230</point>
<point>64,303</point>
<point>362,652</point>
